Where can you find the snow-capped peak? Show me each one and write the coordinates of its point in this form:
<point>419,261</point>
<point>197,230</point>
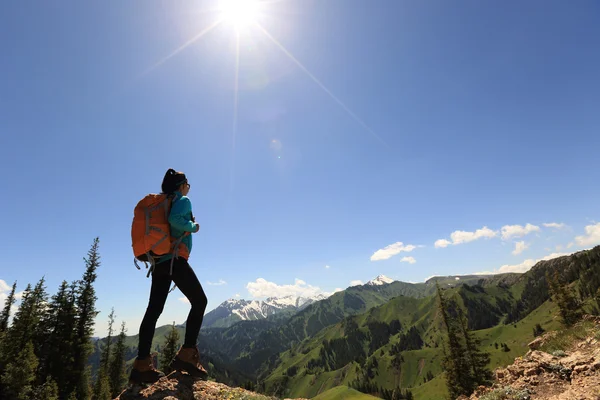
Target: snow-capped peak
<point>380,280</point>
<point>259,309</point>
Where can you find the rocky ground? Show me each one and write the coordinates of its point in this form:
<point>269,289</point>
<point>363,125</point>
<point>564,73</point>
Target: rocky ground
<point>181,386</point>
<point>572,374</point>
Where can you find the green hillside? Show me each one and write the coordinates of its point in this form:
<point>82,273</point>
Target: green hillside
<point>398,345</point>
<point>343,393</point>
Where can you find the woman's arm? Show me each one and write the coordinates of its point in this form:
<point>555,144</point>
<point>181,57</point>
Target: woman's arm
<point>180,210</point>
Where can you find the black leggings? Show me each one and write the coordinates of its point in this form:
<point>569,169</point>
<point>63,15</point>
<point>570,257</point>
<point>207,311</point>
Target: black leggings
<point>186,280</point>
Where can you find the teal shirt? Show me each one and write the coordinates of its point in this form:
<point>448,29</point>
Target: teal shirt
<point>180,220</point>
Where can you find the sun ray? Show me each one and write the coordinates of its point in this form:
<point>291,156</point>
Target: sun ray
<point>321,85</point>
<point>183,46</point>
<point>235,109</point>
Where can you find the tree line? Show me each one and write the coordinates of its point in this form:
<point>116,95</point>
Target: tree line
<point>44,350</point>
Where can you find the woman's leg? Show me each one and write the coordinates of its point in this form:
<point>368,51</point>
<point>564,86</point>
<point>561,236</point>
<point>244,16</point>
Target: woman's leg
<point>161,281</point>
<point>186,280</point>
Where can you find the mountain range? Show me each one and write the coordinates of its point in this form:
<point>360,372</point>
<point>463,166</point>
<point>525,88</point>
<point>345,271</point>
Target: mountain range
<point>234,310</point>
<point>383,335</point>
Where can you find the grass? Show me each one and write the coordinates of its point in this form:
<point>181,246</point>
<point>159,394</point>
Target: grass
<point>517,338</point>
<point>565,338</point>
<point>435,389</point>
<point>343,393</point>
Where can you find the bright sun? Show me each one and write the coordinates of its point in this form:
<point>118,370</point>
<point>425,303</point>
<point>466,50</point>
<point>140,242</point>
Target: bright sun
<point>239,12</point>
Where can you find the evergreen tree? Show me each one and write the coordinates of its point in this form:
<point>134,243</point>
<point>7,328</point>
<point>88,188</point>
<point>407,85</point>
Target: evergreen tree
<point>458,379</point>
<point>477,358</point>
<point>568,305</point>
<point>58,354</point>
<point>25,327</point>
<point>102,388</point>
<point>47,391</point>
<point>8,303</point>
<point>117,374</point>
<point>19,375</point>
<point>538,330</point>
<point>86,312</point>
<point>170,349</point>
<point>40,309</point>
<point>105,357</point>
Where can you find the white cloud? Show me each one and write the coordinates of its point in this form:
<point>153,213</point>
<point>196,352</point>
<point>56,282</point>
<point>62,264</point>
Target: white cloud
<point>184,300</point>
<point>337,290</point>
<point>263,288</point>
<point>460,237</point>
<point>327,267</point>
<point>356,283</point>
<point>220,283</point>
<point>591,237</point>
<point>571,244</point>
<point>522,267</point>
<point>4,287</point>
<point>392,250</point>
<point>442,243</point>
<point>410,260</point>
<point>237,295</point>
<point>520,247</point>
<point>509,231</point>
<point>554,225</point>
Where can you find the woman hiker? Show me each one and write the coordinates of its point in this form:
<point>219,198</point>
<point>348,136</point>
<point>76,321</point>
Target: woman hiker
<point>182,225</point>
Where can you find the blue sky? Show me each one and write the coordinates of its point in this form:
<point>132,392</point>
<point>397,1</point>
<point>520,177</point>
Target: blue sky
<point>360,124</point>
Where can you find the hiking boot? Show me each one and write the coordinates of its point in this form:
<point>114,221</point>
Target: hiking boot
<point>188,360</point>
<point>144,372</point>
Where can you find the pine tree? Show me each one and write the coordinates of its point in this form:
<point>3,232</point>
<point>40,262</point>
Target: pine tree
<point>19,375</point>
<point>458,378</point>
<point>86,312</point>
<point>58,355</point>
<point>102,388</point>
<point>47,391</point>
<point>8,352</point>
<point>478,359</point>
<point>568,305</point>
<point>538,330</point>
<point>105,357</point>
<point>117,374</point>
<point>26,326</point>
<point>170,349</point>
<point>39,331</point>
<point>8,303</point>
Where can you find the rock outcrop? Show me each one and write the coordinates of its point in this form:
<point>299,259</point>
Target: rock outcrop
<point>181,386</point>
<point>573,374</point>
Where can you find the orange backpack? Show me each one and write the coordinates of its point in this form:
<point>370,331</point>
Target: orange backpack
<point>150,230</point>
